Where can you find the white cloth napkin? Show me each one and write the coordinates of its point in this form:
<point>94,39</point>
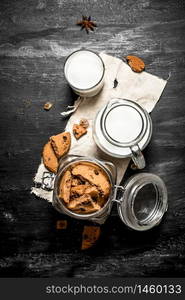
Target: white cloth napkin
<point>143,88</point>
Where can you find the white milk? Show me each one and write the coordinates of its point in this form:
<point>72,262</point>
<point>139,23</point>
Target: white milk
<point>84,72</point>
<point>123,124</point>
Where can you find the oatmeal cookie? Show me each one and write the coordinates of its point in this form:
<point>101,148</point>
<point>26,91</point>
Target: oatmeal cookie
<point>61,143</point>
<point>94,175</point>
<point>83,205</point>
<point>82,189</point>
<point>136,63</point>
<point>90,235</point>
<point>49,158</point>
<point>65,187</point>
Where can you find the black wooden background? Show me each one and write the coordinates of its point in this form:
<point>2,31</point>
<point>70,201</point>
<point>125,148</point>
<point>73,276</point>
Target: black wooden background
<point>36,36</point>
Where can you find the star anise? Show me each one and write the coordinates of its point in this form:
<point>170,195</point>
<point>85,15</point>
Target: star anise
<point>86,24</point>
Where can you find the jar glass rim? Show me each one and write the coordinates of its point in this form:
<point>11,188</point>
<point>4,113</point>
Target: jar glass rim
<point>103,70</point>
<point>131,188</point>
<point>129,103</point>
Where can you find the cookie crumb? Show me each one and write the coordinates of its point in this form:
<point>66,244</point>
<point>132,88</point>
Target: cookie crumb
<point>84,123</point>
<point>61,224</point>
<point>79,131</point>
<point>48,105</point>
<point>133,166</point>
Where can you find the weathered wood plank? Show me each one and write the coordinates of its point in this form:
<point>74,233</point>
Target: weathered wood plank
<point>34,41</point>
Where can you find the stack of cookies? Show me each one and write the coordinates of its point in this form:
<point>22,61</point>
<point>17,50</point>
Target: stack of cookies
<point>84,187</point>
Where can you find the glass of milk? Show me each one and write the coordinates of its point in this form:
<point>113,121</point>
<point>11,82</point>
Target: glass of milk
<point>84,71</point>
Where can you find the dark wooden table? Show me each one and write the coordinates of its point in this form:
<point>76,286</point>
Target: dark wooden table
<point>36,36</point>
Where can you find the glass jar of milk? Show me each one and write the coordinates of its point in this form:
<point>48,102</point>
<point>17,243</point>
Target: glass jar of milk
<point>122,129</point>
<point>84,71</point>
